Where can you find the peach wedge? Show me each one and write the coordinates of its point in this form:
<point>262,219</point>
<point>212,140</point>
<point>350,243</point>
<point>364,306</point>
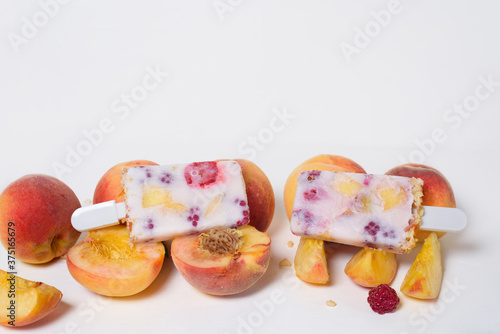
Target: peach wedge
<point>23,301</point>
<point>107,263</point>
<point>372,267</point>
<point>423,279</point>
<point>310,261</point>
<point>222,261</point>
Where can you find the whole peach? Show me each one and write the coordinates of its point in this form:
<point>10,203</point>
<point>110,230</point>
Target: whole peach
<point>35,218</point>
<point>337,160</point>
<point>437,190</point>
<point>109,186</point>
<point>326,162</point>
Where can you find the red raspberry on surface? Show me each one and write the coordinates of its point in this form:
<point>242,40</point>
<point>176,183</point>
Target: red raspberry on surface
<point>383,299</point>
<point>201,174</point>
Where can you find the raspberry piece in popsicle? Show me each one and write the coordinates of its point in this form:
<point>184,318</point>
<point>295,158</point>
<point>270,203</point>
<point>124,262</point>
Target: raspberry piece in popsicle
<point>201,174</point>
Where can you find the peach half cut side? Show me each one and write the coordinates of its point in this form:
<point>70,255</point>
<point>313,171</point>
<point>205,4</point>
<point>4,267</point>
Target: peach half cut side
<point>107,263</point>
<point>223,261</point>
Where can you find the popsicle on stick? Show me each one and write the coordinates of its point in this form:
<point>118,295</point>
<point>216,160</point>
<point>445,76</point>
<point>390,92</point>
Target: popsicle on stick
<point>164,202</point>
<point>366,210</point>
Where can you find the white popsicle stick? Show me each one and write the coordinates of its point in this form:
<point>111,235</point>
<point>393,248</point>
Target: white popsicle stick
<point>441,219</point>
<point>109,213</point>
<point>98,216</point>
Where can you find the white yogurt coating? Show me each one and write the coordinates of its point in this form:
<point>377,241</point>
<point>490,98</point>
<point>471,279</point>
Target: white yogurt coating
<point>357,216</point>
<point>199,196</point>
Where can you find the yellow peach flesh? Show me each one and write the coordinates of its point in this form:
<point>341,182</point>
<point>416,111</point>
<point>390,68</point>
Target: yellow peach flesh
<point>423,279</point>
<point>34,300</point>
<point>310,261</point>
<point>107,263</point>
<point>371,267</point>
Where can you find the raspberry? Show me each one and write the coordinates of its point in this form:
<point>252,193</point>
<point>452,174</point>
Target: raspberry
<point>305,218</point>
<point>150,224</point>
<point>166,178</point>
<point>201,174</point>
<point>311,195</point>
<point>193,217</point>
<point>367,179</point>
<point>372,229</point>
<point>390,234</point>
<point>242,222</point>
<point>383,299</point>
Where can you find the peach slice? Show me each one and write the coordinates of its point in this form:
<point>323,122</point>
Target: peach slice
<point>423,279</point>
<point>222,261</point>
<point>107,263</point>
<point>372,267</point>
<point>392,197</point>
<point>154,196</point>
<point>348,186</point>
<point>23,301</point>
<point>310,261</point>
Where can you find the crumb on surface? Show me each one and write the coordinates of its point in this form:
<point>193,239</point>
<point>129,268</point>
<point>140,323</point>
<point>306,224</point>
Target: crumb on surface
<point>87,202</point>
<point>331,303</point>
<point>285,263</point>
<point>289,244</point>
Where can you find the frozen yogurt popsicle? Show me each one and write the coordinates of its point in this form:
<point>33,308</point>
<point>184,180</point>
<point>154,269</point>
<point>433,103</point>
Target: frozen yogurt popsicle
<point>366,210</point>
<point>163,202</point>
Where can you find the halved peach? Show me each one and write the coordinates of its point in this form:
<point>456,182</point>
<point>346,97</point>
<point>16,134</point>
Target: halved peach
<point>23,301</point>
<point>107,263</point>
<point>423,279</point>
<point>222,261</point>
<point>310,261</point>
<point>372,267</point>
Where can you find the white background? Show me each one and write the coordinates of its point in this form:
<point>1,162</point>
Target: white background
<point>230,74</point>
